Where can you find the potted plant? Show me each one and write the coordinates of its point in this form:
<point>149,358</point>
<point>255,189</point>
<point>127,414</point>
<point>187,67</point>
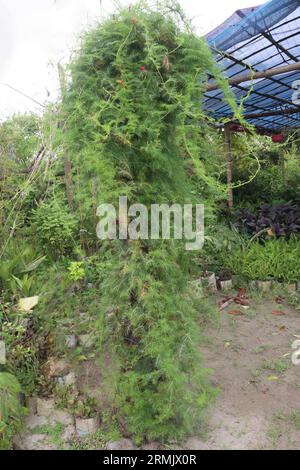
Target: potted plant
<point>209,281</point>
<point>87,418</point>
<point>225,280</point>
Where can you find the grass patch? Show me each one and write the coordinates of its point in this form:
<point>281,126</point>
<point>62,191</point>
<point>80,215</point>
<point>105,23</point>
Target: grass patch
<point>295,419</point>
<point>54,433</point>
<point>262,348</point>
<point>279,366</point>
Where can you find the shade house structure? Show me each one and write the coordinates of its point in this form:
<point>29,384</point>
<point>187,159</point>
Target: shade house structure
<point>258,50</point>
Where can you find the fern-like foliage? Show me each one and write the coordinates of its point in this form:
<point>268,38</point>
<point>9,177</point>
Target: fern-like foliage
<point>134,127</point>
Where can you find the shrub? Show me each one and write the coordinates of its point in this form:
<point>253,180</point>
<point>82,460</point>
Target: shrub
<point>11,412</point>
<point>281,220</point>
<point>272,182</point>
<point>19,143</point>
<point>22,350</point>
<point>18,262</point>
<point>76,271</point>
<point>132,120</point>
<point>55,227</point>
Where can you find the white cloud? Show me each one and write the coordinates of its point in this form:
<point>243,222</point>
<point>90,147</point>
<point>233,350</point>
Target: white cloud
<point>36,34</point>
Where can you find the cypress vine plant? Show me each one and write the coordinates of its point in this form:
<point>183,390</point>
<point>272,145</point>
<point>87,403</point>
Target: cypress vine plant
<point>133,126</point>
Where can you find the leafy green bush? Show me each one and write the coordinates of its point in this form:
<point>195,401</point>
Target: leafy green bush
<point>274,259</point>
<point>55,227</point>
<point>277,180</point>
<point>79,405</point>
<point>19,260</point>
<point>220,238</point>
<point>19,143</point>
<point>23,286</point>
<point>19,137</point>
<point>22,349</point>
<point>76,271</point>
<point>11,411</point>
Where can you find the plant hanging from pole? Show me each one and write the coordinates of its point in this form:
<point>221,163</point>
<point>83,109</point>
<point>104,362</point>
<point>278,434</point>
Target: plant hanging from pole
<point>133,126</point>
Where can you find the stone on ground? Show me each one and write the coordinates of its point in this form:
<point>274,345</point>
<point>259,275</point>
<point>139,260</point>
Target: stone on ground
<point>34,421</point>
<point>152,446</point>
<point>68,433</point>
<point>32,442</point>
<point>86,426</point>
<point>195,443</point>
<point>57,367</point>
<point>122,444</point>
<point>45,406</point>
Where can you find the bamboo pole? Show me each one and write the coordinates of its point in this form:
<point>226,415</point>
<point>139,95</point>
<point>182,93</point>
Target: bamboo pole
<point>277,112</point>
<point>67,162</point>
<point>255,76</point>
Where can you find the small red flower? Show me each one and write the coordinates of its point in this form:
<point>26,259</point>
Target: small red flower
<point>143,68</point>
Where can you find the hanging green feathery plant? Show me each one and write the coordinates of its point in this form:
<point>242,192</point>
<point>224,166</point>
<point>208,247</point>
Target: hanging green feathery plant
<point>133,126</point>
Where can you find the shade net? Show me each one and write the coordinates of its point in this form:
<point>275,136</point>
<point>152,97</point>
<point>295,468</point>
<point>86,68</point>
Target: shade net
<point>258,39</point>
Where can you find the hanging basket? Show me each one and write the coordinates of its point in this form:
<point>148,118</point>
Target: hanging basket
<point>237,128</point>
<point>278,138</point>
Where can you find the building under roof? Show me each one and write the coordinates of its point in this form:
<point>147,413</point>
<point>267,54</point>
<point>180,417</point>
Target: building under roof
<point>258,49</point>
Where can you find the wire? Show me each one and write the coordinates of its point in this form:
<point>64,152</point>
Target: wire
<point>23,94</point>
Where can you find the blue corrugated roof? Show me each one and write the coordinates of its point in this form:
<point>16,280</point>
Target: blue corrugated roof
<point>258,39</point>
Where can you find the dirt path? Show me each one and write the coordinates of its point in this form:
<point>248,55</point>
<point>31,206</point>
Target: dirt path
<point>258,406</point>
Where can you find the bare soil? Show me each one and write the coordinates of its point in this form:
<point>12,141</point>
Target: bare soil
<point>258,406</point>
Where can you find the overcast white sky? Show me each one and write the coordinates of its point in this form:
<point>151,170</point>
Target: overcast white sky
<point>36,34</point>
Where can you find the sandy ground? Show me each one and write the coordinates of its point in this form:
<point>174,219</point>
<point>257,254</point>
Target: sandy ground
<point>258,406</point>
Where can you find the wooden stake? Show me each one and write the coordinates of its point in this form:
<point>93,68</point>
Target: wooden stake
<point>228,154</point>
<point>67,161</point>
<point>283,173</point>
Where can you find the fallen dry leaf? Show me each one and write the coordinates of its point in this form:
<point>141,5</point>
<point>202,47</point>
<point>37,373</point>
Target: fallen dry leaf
<point>235,312</point>
<point>278,312</point>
